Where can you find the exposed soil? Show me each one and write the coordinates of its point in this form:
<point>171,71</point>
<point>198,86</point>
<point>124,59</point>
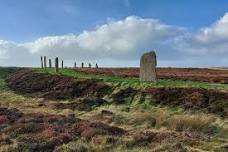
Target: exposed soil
<point>194,74</point>
<point>54,86</point>
<point>40,132</point>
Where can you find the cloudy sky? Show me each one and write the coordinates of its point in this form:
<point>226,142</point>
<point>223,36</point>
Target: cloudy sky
<point>114,32</point>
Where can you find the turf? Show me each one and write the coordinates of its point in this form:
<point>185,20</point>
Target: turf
<point>170,123</point>
<point>6,70</point>
<point>2,84</point>
<point>134,82</point>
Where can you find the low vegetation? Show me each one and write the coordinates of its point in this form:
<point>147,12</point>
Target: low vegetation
<point>122,82</point>
<point>5,71</point>
<point>120,118</point>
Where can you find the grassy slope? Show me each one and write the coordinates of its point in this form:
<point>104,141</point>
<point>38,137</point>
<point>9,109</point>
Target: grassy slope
<point>4,71</point>
<point>140,117</point>
<point>143,113</point>
<point>135,83</point>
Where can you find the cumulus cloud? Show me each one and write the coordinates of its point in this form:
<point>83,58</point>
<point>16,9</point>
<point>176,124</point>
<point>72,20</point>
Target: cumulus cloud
<point>117,39</point>
<point>217,33</point>
<point>124,41</point>
<point>208,41</point>
<point>13,54</point>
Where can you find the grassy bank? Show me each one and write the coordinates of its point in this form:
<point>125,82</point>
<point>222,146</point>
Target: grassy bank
<point>173,128</point>
<point>6,70</point>
<point>134,82</point>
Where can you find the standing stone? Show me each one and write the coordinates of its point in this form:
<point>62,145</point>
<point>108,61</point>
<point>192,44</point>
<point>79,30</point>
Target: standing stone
<point>41,60</point>
<point>57,64</point>
<point>148,63</point>
<point>75,64</point>
<point>50,65</point>
<point>90,65</point>
<point>62,64</point>
<point>82,65</point>
<point>45,62</point>
<point>96,65</point>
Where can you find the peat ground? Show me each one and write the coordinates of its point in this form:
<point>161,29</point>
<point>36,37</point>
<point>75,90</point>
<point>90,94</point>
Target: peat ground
<point>29,82</point>
<point>193,74</point>
<point>45,111</point>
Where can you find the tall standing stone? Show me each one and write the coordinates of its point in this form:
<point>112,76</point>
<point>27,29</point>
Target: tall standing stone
<point>45,62</point>
<point>82,65</point>
<point>62,64</point>
<point>41,60</point>
<point>148,63</point>
<point>57,64</point>
<point>50,65</point>
<point>75,64</point>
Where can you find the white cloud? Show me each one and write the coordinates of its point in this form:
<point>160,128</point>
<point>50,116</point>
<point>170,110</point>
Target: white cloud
<point>126,40</point>
<point>207,41</point>
<point>117,39</point>
<point>13,54</point>
<point>218,32</point>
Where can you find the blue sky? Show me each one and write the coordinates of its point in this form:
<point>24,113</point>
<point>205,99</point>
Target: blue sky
<point>25,25</point>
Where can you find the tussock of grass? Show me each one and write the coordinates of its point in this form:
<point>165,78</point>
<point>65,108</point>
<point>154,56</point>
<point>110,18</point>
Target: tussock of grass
<point>7,98</point>
<point>223,134</point>
<point>161,117</point>
<point>140,118</point>
<point>84,146</point>
<point>135,149</point>
<point>199,123</point>
<point>78,146</point>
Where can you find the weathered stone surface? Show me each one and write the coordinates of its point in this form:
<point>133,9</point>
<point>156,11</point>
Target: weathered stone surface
<point>45,62</point>
<point>41,60</point>
<point>148,63</point>
<point>57,64</point>
<point>50,65</point>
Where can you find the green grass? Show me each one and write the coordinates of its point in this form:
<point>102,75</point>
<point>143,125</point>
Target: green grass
<point>8,97</point>
<point>136,115</point>
<point>2,84</point>
<point>123,82</point>
<point>6,70</point>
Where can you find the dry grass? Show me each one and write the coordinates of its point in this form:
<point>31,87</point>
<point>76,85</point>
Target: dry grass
<point>133,117</point>
<point>77,146</point>
<point>139,118</point>
<point>191,122</point>
<point>157,118</point>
